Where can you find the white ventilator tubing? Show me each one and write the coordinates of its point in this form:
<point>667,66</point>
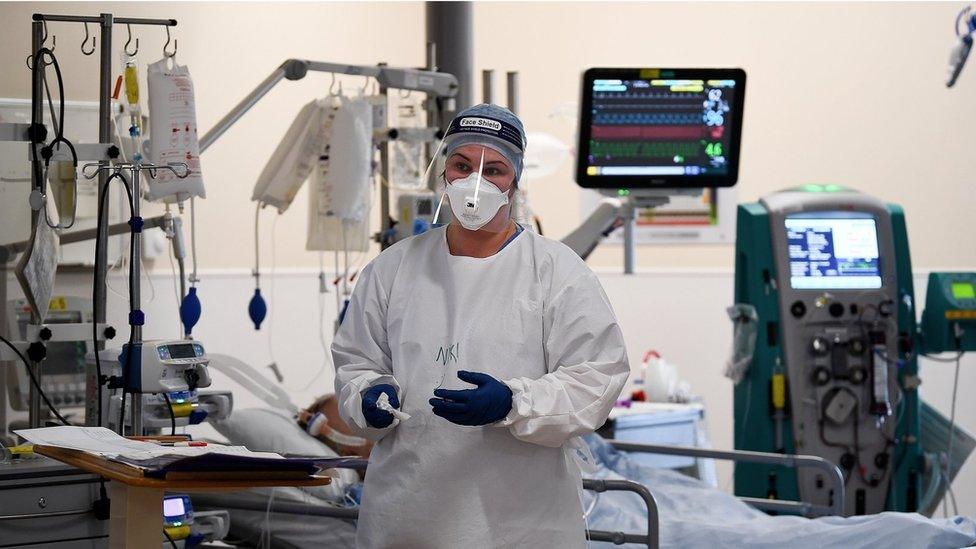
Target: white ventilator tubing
<point>246,376</point>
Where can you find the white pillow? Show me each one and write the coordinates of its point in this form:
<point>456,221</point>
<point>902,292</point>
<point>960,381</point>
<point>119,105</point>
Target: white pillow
<point>268,430</point>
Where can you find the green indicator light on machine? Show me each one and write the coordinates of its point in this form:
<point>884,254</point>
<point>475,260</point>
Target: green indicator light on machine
<point>963,290</point>
<point>812,188</point>
<point>623,192</point>
<point>833,188</point>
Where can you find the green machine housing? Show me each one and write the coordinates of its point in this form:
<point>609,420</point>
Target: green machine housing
<point>949,319</point>
<point>832,351</point>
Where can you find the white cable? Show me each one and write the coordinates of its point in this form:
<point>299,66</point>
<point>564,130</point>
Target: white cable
<point>266,535</point>
<point>257,256</point>
<point>115,126</point>
<point>145,274</point>
<point>745,419</point>
<point>176,287</point>
<point>119,267</point>
<point>274,229</point>
<point>952,429</point>
<point>193,240</point>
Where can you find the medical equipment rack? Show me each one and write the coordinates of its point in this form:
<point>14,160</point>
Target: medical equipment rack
<point>102,152</point>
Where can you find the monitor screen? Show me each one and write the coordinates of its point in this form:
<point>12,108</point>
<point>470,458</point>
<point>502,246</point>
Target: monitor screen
<point>837,251</point>
<point>660,128</point>
<point>963,290</point>
<point>182,351</point>
<point>173,507</point>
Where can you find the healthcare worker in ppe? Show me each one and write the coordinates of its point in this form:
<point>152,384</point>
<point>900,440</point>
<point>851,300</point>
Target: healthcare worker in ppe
<point>496,347</point>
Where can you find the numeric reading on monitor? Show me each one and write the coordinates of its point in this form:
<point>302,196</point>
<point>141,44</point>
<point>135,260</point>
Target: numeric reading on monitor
<point>660,127</point>
<point>833,251</point>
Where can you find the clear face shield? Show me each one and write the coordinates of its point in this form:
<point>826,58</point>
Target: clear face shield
<point>474,176</point>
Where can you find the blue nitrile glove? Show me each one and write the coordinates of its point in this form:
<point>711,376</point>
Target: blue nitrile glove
<point>374,416</point>
<point>490,402</point>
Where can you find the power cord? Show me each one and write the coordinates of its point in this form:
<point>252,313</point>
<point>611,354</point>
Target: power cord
<point>169,539</point>
<point>34,382</point>
<point>952,428</point>
<point>172,414</point>
<point>101,215</point>
<point>57,123</point>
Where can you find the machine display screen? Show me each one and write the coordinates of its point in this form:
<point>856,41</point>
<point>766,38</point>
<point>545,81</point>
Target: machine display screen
<point>963,290</point>
<point>173,507</point>
<point>181,351</point>
<point>651,128</point>
<point>833,251</point>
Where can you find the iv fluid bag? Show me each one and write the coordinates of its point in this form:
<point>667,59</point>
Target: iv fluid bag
<point>173,133</point>
<point>327,231</point>
<point>351,160</point>
<point>293,160</point>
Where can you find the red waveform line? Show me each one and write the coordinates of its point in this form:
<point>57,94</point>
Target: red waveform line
<point>646,132</point>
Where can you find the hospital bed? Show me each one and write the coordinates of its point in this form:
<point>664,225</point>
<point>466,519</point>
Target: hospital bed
<point>263,505</point>
<point>630,503</point>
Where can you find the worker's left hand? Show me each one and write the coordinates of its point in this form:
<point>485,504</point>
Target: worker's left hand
<point>490,402</point>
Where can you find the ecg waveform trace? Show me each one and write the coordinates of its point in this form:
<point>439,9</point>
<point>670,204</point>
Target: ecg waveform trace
<point>646,149</point>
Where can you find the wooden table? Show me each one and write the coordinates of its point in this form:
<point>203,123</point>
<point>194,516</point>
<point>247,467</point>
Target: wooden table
<point>137,501</point>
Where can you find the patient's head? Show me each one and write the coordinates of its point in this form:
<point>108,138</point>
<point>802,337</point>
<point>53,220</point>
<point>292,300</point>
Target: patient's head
<point>334,431</point>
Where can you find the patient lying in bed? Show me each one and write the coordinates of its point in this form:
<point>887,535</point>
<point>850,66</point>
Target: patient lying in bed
<point>321,420</point>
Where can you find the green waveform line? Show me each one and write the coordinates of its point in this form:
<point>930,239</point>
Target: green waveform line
<point>630,149</point>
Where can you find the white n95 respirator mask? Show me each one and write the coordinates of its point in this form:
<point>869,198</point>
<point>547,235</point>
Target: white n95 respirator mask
<point>475,201</point>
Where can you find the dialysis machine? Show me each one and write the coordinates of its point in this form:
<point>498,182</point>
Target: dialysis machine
<point>823,281</point>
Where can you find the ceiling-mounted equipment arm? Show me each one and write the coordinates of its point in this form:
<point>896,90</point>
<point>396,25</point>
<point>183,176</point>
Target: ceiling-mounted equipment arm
<point>434,83</point>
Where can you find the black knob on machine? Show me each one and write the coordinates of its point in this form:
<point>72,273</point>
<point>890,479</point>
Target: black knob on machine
<point>819,346</point>
<point>821,376</point>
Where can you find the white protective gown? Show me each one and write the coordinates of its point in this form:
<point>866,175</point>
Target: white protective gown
<point>534,317</point>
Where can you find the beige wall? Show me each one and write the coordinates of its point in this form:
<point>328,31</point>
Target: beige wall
<point>850,93</point>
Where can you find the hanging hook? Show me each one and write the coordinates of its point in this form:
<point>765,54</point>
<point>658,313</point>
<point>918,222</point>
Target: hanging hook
<point>332,85</point>
<point>166,45</point>
<point>125,48</point>
<point>54,44</point>
<point>85,41</point>
<point>365,85</point>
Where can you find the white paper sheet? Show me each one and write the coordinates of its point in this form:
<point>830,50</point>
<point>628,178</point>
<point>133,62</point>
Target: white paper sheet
<point>107,443</point>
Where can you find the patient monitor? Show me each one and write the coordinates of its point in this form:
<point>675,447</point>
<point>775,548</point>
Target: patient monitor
<point>834,371</point>
<point>64,367</point>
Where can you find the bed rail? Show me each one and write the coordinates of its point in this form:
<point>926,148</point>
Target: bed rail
<point>256,502</point>
<point>832,472</point>
<point>620,538</point>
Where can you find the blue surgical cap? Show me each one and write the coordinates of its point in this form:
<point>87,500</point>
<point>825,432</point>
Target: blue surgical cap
<point>492,126</point>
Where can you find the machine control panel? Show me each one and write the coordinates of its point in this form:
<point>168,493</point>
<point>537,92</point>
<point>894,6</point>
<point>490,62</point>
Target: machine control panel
<point>180,353</point>
<point>835,273</point>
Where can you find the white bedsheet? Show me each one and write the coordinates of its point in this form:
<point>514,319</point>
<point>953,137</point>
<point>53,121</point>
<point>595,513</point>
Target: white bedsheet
<point>693,514</point>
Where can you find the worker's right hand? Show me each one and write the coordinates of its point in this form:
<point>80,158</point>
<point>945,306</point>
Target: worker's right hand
<point>374,416</point>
